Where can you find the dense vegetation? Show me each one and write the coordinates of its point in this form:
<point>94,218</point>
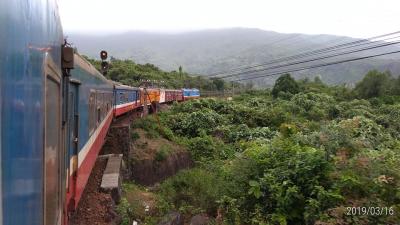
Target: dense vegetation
<point>130,73</point>
<point>297,158</point>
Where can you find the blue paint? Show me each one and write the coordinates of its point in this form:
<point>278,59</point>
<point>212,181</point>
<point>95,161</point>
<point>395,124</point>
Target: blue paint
<point>28,31</point>
<point>125,94</point>
<point>91,80</point>
<point>191,92</point>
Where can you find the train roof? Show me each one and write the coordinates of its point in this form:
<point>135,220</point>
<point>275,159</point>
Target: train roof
<point>80,60</point>
<point>123,86</point>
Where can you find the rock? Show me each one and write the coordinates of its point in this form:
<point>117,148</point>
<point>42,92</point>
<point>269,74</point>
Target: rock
<point>200,219</point>
<point>173,218</point>
<point>149,172</point>
<point>111,181</point>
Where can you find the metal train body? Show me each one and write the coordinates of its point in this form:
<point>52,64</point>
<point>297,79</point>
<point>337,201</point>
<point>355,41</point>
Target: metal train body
<point>52,127</point>
<point>126,99</point>
<point>190,94</point>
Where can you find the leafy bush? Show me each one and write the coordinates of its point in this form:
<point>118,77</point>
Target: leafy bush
<point>135,135</point>
<point>192,124</point>
<point>162,153</point>
<point>291,179</point>
<point>285,83</point>
<point>196,187</point>
<point>206,148</point>
<point>125,211</point>
<point>234,133</point>
<point>297,158</point>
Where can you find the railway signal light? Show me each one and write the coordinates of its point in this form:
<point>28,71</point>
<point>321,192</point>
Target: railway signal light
<point>103,55</point>
<point>104,67</point>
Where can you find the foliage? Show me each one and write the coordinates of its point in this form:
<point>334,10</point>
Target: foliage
<point>125,211</point>
<point>374,84</point>
<point>162,153</point>
<point>196,188</point>
<point>285,83</point>
<point>298,158</point>
<point>130,73</point>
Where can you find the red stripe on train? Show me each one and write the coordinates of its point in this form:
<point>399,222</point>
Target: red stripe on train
<point>125,109</point>
<point>87,165</point>
<point>85,169</point>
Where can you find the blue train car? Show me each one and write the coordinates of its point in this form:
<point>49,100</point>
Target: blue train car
<point>90,112</point>
<point>190,94</point>
<point>53,117</point>
<point>31,188</point>
<point>52,122</point>
<point>126,99</point>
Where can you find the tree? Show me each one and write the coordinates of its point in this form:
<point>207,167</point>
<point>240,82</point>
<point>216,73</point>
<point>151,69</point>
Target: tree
<point>180,71</point>
<point>318,80</point>
<point>219,83</point>
<point>285,83</point>
<point>374,84</point>
<point>396,86</point>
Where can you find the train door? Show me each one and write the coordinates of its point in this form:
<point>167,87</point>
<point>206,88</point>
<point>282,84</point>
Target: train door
<point>72,139</point>
<point>53,148</point>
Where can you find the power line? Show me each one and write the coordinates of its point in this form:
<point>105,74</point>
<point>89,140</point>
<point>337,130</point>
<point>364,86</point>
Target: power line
<point>313,59</point>
<point>319,51</point>
<point>317,66</point>
<point>310,53</point>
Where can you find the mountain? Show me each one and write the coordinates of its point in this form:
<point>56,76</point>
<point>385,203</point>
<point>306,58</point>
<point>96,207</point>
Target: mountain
<point>212,51</point>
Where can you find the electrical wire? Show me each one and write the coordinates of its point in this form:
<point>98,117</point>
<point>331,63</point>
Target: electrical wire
<point>311,53</point>
<point>317,66</point>
<point>313,59</point>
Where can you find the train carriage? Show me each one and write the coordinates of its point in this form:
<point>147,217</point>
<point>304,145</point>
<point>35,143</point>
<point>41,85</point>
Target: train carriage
<point>179,95</point>
<point>190,94</point>
<point>150,95</point>
<point>90,112</point>
<point>126,99</point>
<point>32,180</point>
<point>170,95</point>
<point>53,116</point>
<point>163,96</point>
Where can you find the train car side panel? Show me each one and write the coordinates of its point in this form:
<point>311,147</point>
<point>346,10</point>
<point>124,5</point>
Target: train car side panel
<point>95,116</point>
<point>126,99</point>
<point>162,95</point>
<point>30,34</point>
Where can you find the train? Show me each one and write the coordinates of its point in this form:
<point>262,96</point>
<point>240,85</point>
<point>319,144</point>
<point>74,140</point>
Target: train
<point>55,111</point>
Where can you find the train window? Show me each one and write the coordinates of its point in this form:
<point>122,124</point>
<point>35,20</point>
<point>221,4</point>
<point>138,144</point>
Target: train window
<point>52,151</point>
<point>92,112</point>
<point>98,115</point>
<point>98,107</point>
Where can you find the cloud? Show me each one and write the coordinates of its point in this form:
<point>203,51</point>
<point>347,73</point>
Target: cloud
<point>357,18</point>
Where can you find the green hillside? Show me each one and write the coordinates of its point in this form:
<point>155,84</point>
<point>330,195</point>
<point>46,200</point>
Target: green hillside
<point>130,73</point>
<point>210,51</point>
<point>308,154</point>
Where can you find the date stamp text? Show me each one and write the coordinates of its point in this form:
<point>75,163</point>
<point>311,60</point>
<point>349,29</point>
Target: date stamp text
<point>370,211</point>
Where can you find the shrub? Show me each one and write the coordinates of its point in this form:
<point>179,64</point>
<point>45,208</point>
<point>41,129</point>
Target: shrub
<point>162,153</point>
<point>196,187</point>
<point>125,211</point>
<point>291,179</point>
<point>285,83</point>
<point>134,135</point>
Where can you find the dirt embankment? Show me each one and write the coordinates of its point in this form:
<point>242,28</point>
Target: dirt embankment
<point>147,161</point>
<point>154,159</point>
<point>95,207</point>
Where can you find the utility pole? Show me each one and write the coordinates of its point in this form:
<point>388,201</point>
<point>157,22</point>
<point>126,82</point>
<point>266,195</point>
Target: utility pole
<point>233,89</point>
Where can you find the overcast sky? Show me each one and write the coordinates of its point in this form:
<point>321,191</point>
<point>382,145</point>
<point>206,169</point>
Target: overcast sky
<point>356,18</point>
